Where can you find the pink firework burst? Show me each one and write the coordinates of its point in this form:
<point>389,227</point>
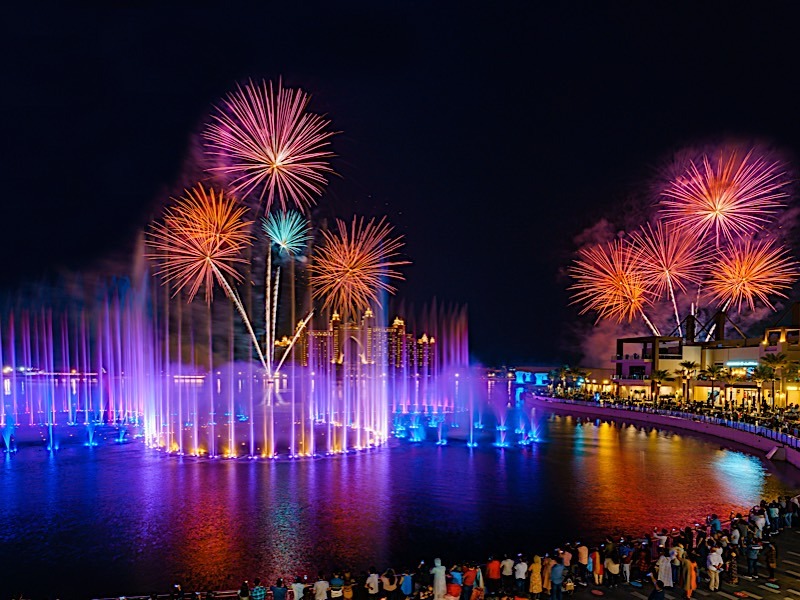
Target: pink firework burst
<point>728,198</point>
<point>268,146</point>
<point>668,257</point>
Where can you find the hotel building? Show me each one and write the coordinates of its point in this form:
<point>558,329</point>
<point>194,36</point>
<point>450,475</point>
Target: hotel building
<point>365,342</point>
<point>637,358</point>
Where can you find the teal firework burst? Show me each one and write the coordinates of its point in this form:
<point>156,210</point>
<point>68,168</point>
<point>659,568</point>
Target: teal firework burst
<point>287,230</point>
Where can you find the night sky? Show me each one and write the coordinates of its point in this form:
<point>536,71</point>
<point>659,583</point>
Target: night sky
<point>490,134</point>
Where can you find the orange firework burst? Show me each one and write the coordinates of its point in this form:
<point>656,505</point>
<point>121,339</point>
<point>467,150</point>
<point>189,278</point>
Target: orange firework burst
<point>751,270</point>
<point>200,240</point>
<point>729,198</point>
<point>668,258</point>
<point>353,264</point>
<point>266,144</point>
<point>608,281</point>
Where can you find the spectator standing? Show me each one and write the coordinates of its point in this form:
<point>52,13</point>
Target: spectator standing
<point>336,586</point>
<point>439,581</point>
<point>557,578</point>
<point>407,583</point>
<point>278,590</point>
<point>507,573</point>
<point>493,570</point>
<point>664,568</point>
<point>611,567</point>
<point>298,588</point>
<point>733,566</point>
<point>321,587</point>
<point>244,591</point>
<point>771,559</point>
<point>688,575</point>
<point>547,567</point>
<point>468,578</point>
<point>714,566</point>
<point>535,581</point>
<point>259,592</point>
<point>658,591</point>
<point>520,572</point>
<point>583,559</point>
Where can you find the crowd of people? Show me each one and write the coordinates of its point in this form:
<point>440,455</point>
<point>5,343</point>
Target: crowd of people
<point>678,559</point>
<point>779,419</point>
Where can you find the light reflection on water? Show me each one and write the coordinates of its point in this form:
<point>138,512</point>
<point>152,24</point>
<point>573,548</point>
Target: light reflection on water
<point>120,520</point>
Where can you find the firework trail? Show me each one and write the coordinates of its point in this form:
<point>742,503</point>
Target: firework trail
<point>267,145</point>
<point>289,231</point>
<point>668,258</point>
<point>750,270</point>
<point>352,265</point>
<point>727,198</point>
<point>200,241</point>
<point>610,282</point>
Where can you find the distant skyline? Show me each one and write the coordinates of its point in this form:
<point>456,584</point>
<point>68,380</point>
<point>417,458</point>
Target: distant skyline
<point>490,136</point>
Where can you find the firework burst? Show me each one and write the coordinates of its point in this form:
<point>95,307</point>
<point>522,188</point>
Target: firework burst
<point>352,265</point>
<point>269,146</point>
<point>729,198</point>
<point>287,230</point>
<point>200,240</point>
<point>752,270</point>
<point>609,282</point>
<point>668,258</point>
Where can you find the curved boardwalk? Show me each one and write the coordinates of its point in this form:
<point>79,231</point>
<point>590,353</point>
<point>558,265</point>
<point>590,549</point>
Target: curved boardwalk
<point>760,440</point>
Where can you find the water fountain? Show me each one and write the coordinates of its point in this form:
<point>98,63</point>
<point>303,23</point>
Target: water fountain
<point>132,361</point>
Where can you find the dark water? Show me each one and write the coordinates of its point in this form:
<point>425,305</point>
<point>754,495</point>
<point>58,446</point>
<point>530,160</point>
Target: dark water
<point>124,520</point>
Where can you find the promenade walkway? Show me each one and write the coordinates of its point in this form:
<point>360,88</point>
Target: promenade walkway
<point>761,440</point>
<point>786,439</point>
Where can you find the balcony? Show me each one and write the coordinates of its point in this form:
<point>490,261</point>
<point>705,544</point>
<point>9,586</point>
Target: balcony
<point>631,377</point>
<point>634,356</point>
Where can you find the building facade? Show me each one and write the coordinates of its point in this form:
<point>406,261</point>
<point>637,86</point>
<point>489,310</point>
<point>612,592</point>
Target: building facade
<point>366,342</point>
<point>640,363</point>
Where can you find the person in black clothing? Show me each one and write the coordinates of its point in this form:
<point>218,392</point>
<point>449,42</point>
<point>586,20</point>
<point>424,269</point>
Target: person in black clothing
<point>688,539</point>
<point>360,587</point>
<point>658,591</point>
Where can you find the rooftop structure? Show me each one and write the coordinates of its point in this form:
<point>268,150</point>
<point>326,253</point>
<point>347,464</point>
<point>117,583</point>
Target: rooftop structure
<point>655,366</point>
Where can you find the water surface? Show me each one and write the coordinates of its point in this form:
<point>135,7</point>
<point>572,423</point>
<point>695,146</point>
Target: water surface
<point>117,520</point>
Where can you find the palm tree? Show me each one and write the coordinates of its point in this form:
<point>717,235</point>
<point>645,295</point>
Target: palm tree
<point>657,377</point>
<point>690,368</point>
<point>558,375</point>
<point>712,373</point>
<point>778,363</point>
<point>792,372</point>
<point>759,375</point>
<point>682,374</point>
<point>728,378</point>
<point>552,376</point>
<point>576,375</point>
<point>562,373</point>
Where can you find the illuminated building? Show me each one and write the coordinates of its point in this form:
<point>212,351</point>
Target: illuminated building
<point>638,358</point>
<point>366,342</point>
